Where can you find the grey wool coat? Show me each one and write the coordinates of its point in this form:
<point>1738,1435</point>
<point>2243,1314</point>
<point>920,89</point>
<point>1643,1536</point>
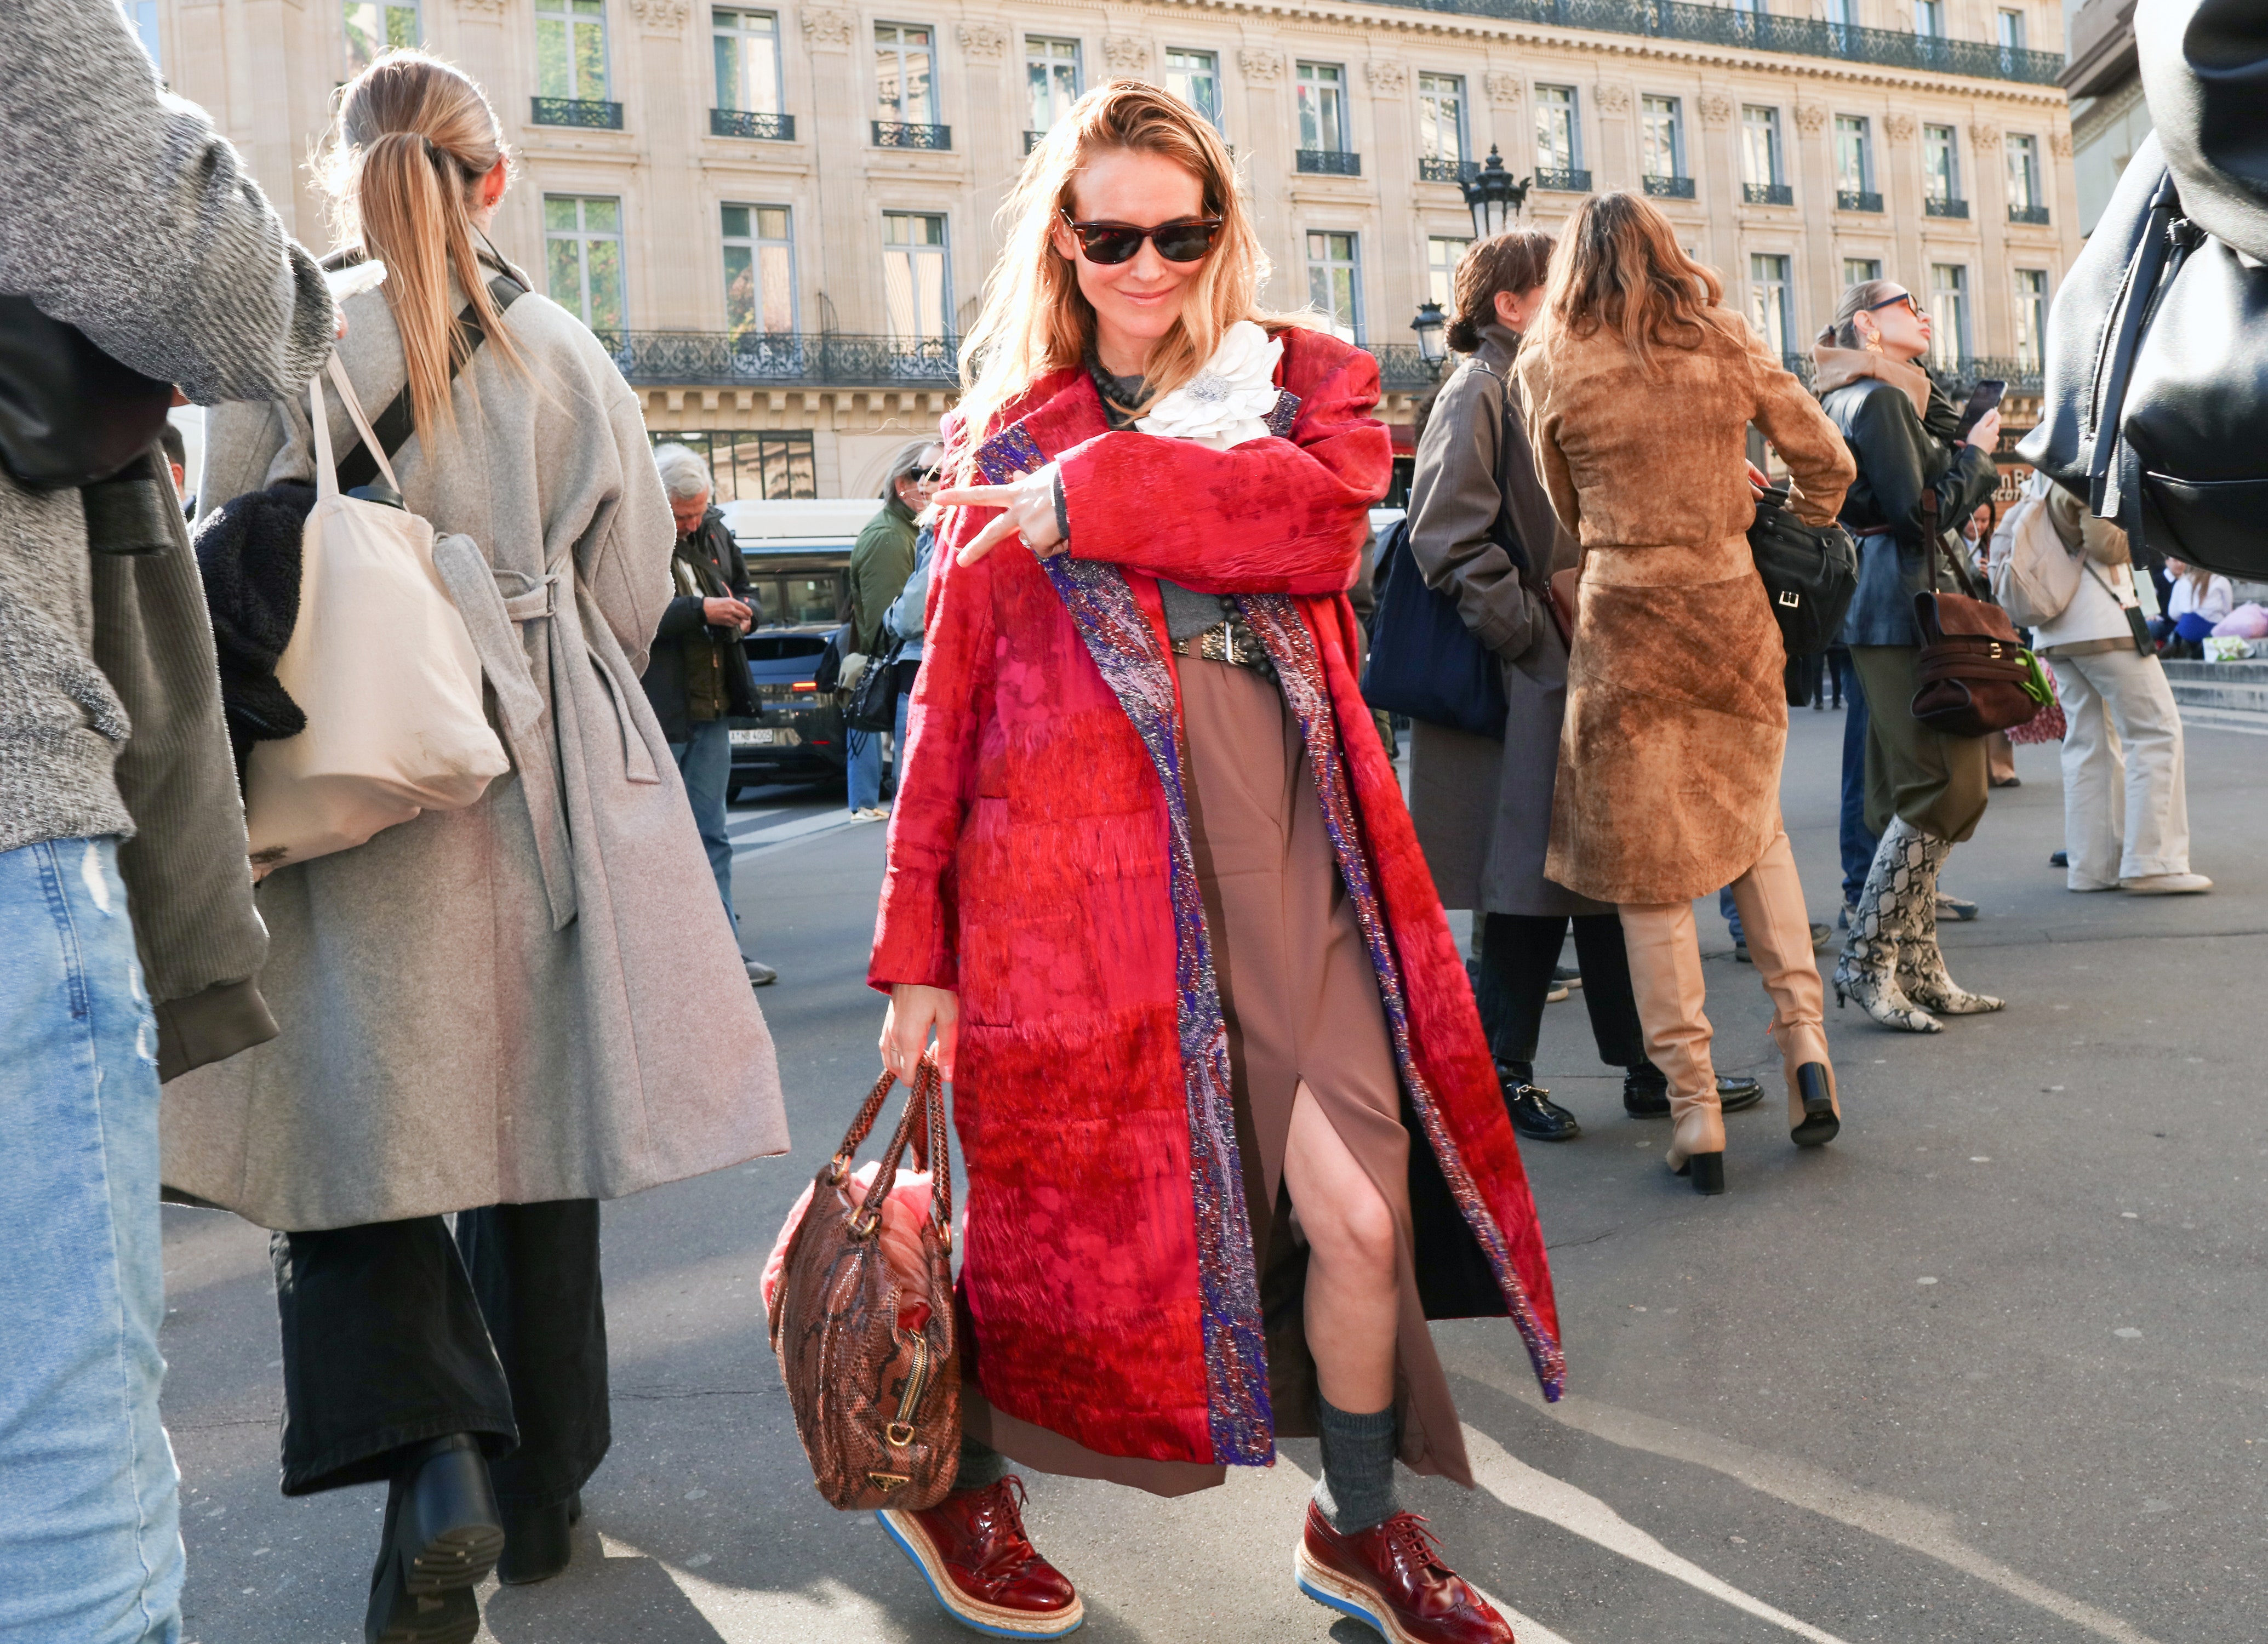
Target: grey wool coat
<point>1483,808</point>
<point>536,996</point>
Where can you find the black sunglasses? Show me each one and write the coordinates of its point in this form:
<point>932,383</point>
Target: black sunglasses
<point>926,477</point>
<point>1109,244</point>
<point>1892,302</point>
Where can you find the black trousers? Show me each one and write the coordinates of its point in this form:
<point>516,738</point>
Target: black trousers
<point>394,1333</point>
<point>1519,952</point>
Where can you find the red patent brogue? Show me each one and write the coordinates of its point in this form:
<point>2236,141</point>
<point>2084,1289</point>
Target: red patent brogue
<point>972,1551</point>
<point>1392,1577</point>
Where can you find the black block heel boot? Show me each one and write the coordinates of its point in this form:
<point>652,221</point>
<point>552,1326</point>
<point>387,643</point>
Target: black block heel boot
<point>1706,1171</point>
<point>1820,1123</point>
<point>536,1543</point>
<point>442,1534</point>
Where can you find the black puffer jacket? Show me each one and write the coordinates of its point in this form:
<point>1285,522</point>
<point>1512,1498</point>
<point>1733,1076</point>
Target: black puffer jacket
<point>1901,457</point>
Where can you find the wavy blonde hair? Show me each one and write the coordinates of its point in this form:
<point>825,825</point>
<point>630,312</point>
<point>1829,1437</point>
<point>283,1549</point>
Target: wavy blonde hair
<point>1035,320</point>
<point>1619,265</point>
<point>402,168</point>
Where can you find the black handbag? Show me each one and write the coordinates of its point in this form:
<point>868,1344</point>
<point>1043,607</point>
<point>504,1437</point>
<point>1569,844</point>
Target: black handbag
<point>874,699</point>
<point>1809,573</point>
<point>1424,661</point>
<point>69,414</point>
<point>2156,384</point>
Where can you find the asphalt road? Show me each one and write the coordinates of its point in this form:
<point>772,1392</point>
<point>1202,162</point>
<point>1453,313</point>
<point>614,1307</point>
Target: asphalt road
<point>1988,1368</point>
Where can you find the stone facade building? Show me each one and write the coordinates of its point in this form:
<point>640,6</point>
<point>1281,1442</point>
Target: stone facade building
<point>781,211</point>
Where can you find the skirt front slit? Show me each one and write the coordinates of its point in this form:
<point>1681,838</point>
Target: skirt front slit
<point>1300,998</point>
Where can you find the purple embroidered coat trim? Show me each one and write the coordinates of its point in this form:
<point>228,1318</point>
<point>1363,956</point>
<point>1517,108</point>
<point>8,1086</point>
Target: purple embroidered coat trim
<point>1276,621</point>
<point>1126,651</point>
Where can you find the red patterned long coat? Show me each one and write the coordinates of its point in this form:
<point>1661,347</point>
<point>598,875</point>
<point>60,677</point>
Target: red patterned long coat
<point>1038,866</point>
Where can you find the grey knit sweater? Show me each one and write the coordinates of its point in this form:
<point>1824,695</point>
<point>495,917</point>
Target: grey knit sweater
<point>122,212</point>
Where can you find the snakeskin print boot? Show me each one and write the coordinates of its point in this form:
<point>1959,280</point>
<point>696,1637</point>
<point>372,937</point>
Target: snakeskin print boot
<point>1921,974</point>
<point>1888,916</point>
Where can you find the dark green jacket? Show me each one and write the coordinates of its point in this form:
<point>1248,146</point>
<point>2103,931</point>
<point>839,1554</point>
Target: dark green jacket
<point>879,565</point>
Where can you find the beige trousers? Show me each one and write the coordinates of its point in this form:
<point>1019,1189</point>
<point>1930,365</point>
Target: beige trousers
<point>1665,965</point>
<point>2122,730</point>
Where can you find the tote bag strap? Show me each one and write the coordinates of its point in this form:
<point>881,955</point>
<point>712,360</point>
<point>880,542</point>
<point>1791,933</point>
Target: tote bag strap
<point>345,386</point>
<point>397,421</point>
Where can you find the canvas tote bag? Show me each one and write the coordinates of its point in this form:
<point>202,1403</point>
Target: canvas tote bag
<point>381,662</point>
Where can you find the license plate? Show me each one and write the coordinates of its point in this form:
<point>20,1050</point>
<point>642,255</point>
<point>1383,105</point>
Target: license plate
<point>752,739</point>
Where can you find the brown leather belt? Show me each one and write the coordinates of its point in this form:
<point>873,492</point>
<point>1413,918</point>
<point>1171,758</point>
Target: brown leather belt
<point>1229,640</point>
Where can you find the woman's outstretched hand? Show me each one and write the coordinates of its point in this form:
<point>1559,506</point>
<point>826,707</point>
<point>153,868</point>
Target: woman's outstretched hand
<point>1027,511</point>
<point>914,1010</point>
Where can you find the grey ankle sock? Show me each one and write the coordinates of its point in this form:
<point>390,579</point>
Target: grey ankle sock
<point>981,1465</point>
<point>1356,1491</point>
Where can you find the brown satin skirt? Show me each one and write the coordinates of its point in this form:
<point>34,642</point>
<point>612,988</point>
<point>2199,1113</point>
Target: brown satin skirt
<point>1301,996</point>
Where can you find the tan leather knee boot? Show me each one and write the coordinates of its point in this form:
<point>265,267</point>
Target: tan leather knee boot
<point>1770,897</point>
<point>1665,966</point>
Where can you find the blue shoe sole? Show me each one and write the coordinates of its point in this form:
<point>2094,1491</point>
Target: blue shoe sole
<point>1345,1607</point>
<point>970,1622</point>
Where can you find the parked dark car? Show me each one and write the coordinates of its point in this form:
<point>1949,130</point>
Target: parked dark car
<point>797,734</point>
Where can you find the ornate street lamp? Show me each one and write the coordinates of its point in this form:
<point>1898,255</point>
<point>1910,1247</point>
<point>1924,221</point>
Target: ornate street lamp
<point>1493,197</point>
<point>1431,347</point>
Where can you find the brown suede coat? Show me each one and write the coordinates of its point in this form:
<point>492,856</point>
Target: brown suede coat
<point>1668,782</point>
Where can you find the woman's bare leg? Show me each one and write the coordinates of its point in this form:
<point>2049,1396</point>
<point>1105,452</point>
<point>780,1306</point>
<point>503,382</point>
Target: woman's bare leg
<point>1352,1299</point>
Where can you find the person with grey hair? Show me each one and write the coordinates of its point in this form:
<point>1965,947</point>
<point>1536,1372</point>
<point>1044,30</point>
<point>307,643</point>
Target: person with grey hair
<point>698,676</point>
<point>879,565</point>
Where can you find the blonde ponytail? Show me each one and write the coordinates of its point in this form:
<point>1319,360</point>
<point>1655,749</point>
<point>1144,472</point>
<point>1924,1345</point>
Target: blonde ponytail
<point>413,140</point>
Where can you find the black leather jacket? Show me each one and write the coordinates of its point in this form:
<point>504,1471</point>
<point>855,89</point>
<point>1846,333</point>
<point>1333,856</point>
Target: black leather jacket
<point>1901,457</point>
<point>686,646</point>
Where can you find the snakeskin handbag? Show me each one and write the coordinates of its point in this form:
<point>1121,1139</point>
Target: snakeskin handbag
<point>872,1366</point>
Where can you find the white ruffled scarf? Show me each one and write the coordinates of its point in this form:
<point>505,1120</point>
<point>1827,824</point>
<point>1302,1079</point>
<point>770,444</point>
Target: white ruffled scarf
<point>1227,401</point>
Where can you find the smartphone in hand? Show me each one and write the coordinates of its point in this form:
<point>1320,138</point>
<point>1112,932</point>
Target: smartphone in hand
<point>1984,397</point>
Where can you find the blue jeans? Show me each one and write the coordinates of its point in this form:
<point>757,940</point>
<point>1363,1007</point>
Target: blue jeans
<point>89,1510</point>
<point>1857,840</point>
<point>1732,915</point>
<point>866,750</point>
<point>706,764</point>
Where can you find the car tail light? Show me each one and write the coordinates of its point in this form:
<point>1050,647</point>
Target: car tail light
<point>803,685</point>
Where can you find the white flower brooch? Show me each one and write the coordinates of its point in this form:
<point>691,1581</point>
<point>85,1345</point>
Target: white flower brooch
<point>1229,399</point>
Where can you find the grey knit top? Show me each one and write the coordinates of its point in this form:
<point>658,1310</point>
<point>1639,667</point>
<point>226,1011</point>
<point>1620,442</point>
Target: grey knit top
<point>122,212</point>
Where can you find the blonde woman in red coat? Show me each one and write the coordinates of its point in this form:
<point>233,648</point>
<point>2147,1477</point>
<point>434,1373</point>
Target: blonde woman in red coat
<point>1153,887</point>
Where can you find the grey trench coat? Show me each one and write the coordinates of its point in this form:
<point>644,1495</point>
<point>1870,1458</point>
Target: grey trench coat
<point>1483,808</point>
<point>536,996</point>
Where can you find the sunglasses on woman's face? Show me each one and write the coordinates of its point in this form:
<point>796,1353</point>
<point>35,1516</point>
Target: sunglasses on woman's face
<point>1188,240</point>
<point>1892,302</point>
<point>927,476</point>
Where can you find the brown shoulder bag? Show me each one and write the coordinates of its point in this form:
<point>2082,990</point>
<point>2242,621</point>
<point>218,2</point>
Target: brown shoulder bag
<point>877,1404</point>
<point>1975,676</point>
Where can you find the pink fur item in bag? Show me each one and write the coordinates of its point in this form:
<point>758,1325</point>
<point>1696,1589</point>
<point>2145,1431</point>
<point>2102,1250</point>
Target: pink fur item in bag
<point>902,1214</point>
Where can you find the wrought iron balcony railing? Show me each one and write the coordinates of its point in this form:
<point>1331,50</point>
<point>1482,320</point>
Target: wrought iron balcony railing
<point>1430,169</point>
<point>739,122</point>
<point>1562,182</point>
<point>898,133</point>
<point>801,359</point>
<point>1945,207</point>
<point>574,111</point>
<point>1767,193</point>
<point>1858,200</point>
<point>2023,376</point>
<point>1330,162</point>
<point>1804,37</point>
<point>2033,214</point>
<point>1669,188</point>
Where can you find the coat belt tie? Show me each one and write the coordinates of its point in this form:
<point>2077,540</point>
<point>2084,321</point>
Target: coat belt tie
<point>493,604</point>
